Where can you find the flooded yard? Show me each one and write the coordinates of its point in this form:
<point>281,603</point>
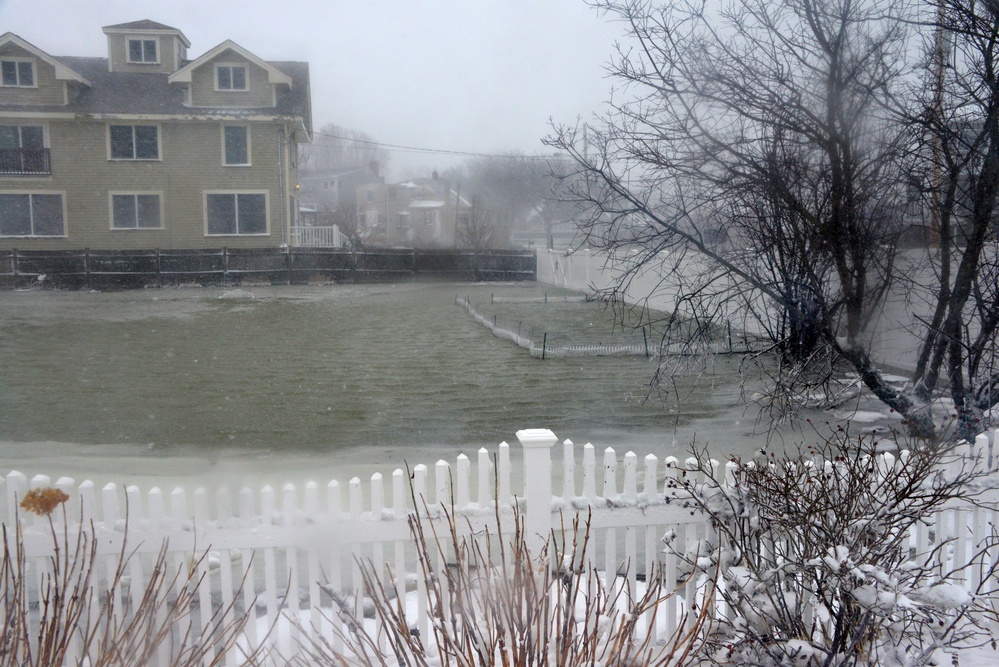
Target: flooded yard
<point>317,380</point>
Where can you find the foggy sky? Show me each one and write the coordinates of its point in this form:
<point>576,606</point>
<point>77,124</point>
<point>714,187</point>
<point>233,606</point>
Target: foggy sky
<point>472,75</point>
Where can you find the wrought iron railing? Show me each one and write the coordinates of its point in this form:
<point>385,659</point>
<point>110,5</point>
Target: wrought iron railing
<point>25,161</point>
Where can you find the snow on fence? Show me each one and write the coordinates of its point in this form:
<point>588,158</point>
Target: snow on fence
<point>300,545</point>
<point>637,342</point>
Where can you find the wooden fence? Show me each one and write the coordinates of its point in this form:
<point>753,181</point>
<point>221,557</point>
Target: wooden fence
<point>110,269</point>
<point>306,539</point>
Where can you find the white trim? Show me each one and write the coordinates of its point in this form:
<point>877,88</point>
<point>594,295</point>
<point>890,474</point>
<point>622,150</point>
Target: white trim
<point>267,210</point>
<point>249,152</point>
<point>245,66</point>
<point>114,193</point>
<point>149,118</point>
<point>138,37</point>
<point>159,143</point>
<point>65,217</point>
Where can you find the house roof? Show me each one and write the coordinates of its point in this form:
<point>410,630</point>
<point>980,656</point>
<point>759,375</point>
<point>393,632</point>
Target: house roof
<point>107,92</point>
<point>146,26</point>
<point>61,70</point>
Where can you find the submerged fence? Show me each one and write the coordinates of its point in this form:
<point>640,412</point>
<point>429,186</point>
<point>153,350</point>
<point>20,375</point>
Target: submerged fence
<point>103,269</point>
<point>644,341</point>
<point>300,546</point>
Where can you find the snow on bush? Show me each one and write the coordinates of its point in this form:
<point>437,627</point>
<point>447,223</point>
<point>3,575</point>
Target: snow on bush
<point>811,561</point>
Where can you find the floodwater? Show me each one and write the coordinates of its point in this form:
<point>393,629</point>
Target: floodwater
<point>315,382</point>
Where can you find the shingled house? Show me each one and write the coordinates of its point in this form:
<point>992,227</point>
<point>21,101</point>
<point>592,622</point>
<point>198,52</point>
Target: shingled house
<point>147,148</point>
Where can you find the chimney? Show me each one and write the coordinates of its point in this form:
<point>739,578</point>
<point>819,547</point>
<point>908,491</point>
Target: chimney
<point>373,166</point>
<point>435,175</point>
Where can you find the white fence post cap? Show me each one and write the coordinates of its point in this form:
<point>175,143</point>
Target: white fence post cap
<point>536,437</point>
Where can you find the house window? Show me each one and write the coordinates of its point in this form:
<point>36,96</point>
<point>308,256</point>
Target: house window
<point>22,150</point>
<point>22,136</point>
<point>142,51</point>
<point>134,142</point>
<point>230,77</point>
<point>235,145</point>
<point>135,211</point>
<point>20,73</point>
<point>31,214</point>
<point>236,213</point>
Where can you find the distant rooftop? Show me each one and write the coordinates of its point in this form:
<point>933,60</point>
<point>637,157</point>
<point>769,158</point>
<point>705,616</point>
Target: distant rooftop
<point>144,24</point>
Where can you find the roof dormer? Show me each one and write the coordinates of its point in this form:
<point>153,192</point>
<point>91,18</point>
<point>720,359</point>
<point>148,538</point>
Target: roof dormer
<point>145,46</point>
<point>31,76</point>
<point>231,76</point>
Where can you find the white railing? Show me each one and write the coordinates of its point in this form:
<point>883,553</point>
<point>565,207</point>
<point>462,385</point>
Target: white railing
<point>317,237</point>
<point>309,540</point>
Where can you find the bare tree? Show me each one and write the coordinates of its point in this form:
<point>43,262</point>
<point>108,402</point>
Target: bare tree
<point>958,160</point>
<point>523,186</point>
<point>757,162</point>
<point>479,226</point>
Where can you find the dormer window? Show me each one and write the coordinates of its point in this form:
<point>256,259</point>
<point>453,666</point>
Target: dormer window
<point>18,72</point>
<point>230,77</point>
<point>143,51</point>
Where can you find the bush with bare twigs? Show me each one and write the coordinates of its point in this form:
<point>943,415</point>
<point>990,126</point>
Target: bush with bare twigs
<point>811,560</point>
<point>72,617</point>
<point>495,603</point>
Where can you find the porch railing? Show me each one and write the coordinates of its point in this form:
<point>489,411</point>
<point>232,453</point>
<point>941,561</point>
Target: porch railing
<point>317,237</point>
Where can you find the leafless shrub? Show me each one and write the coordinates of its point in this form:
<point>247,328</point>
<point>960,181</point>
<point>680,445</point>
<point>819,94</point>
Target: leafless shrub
<point>811,560</point>
<point>496,603</point>
<point>69,619</point>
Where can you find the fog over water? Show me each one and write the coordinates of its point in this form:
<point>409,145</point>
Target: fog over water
<point>317,382</point>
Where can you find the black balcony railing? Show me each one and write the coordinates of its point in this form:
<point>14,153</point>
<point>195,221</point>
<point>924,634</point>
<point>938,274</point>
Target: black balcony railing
<point>25,161</point>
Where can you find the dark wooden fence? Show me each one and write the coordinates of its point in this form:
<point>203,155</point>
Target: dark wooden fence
<point>123,269</point>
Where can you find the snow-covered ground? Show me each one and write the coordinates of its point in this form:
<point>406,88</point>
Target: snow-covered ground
<point>281,636</point>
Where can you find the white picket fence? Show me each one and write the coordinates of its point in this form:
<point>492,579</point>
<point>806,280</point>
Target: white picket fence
<point>307,540</point>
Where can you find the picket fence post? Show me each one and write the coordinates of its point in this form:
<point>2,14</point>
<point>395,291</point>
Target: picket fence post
<point>537,444</point>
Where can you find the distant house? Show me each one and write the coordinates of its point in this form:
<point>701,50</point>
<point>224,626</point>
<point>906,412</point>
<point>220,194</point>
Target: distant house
<point>148,148</point>
<point>330,189</point>
<point>420,212</point>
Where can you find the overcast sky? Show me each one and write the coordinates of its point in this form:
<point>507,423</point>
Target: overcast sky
<point>480,76</point>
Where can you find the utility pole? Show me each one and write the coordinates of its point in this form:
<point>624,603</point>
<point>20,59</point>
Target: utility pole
<point>457,211</point>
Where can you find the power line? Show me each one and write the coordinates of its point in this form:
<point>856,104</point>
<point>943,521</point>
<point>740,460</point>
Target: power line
<point>433,151</point>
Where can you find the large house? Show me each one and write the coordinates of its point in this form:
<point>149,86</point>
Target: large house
<point>148,148</point>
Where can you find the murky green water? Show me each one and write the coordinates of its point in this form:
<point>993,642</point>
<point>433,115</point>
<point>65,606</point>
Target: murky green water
<point>320,375</point>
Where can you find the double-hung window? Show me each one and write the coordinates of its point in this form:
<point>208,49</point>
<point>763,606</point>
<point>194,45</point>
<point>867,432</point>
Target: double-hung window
<point>235,145</point>
<point>142,51</point>
<point>235,213</point>
<point>135,211</point>
<point>230,77</point>
<point>31,214</point>
<point>18,72</point>
<point>134,142</point>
